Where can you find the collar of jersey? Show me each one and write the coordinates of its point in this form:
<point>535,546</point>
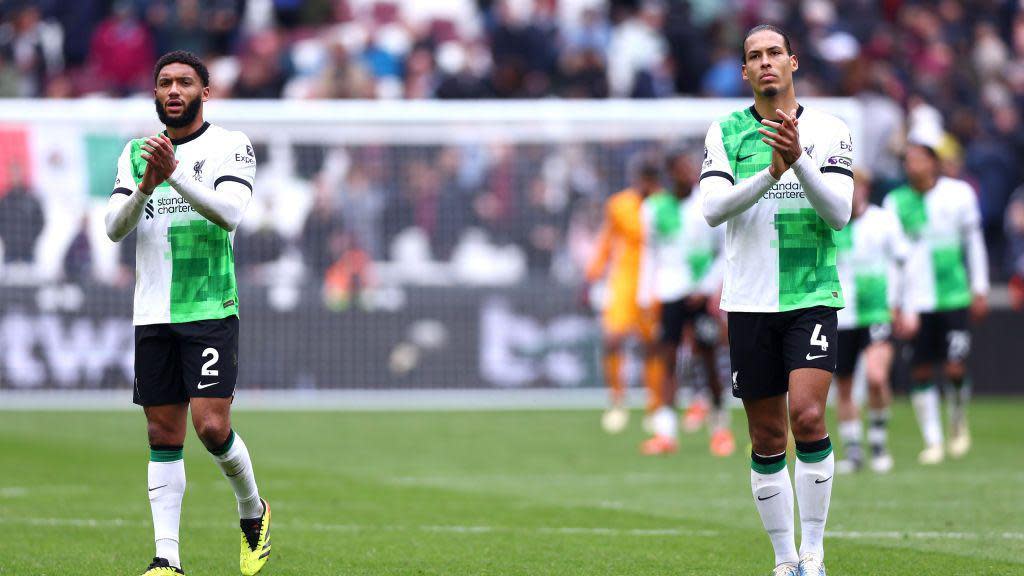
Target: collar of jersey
<point>190,137</point>
<point>799,111</point>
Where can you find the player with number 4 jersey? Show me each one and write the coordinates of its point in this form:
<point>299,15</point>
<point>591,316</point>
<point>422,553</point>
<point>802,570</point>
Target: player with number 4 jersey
<point>781,176</point>
<point>184,191</point>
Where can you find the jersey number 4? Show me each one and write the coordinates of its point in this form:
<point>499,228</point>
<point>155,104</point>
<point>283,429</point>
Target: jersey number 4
<point>818,339</point>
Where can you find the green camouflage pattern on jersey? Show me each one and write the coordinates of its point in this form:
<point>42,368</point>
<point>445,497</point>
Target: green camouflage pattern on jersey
<point>952,289</point>
<point>203,284</point>
<point>871,287</point>
<point>806,244</point>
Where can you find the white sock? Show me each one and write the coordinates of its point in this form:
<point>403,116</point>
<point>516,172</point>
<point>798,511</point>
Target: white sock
<point>878,430</point>
<point>233,460</point>
<point>773,495</point>
<point>815,467</point>
<point>850,432</point>
<point>929,417</point>
<point>957,400</point>
<point>666,422</point>
<point>719,418</point>
<point>166,490</point>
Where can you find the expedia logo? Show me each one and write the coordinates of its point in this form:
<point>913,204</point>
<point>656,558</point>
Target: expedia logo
<point>149,209</point>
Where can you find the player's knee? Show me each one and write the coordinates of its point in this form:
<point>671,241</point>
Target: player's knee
<point>921,373</point>
<point>212,431</point>
<point>955,370</point>
<point>768,438</point>
<point>808,421</point>
<point>877,381</point>
<point>163,434</point>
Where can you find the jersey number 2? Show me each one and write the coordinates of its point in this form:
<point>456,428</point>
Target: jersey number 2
<point>817,339</point>
<point>214,356</point>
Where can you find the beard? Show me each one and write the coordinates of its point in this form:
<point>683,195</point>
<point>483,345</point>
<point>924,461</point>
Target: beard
<point>188,114</point>
<point>771,91</point>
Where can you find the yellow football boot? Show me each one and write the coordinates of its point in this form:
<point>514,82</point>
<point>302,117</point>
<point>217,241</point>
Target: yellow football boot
<point>160,567</point>
<point>255,543</point>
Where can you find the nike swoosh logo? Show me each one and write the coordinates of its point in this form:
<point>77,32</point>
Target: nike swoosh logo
<point>201,386</point>
<point>769,497</point>
<point>822,481</point>
<point>809,357</point>
<point>157,488</point>
<point>745,158</point>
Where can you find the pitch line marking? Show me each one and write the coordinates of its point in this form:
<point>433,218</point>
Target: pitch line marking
<point>485,529</point>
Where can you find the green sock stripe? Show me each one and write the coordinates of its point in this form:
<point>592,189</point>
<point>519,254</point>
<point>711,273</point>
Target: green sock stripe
<point>767,465</point>
<point>916,387</point>
<point>812,457</point>
<point>226,446</point>
<point>156,455</point>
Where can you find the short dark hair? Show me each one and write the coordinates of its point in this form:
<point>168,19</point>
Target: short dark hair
<point>182,57</point>
<point>648,169</point>
<point>769,28</point>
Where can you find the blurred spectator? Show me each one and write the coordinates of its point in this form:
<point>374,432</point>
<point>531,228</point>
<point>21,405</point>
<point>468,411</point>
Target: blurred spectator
<point>362,206</point>
<point>178,25</point>
<point>1015,232</point>
<point>33,48</point>
<point>1015,246</point>
<point>321,233</point>
<point>21,218</point>
<point>583,75</point>
<point>542,228</point>
<point>261,74</point>
<point>636,49</point>
<point>10,81</point>
<point>122,53</point>
<point>77,259</point>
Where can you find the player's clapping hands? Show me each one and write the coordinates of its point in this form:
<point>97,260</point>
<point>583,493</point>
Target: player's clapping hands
<point>158,152</point>
<point>784,138</point>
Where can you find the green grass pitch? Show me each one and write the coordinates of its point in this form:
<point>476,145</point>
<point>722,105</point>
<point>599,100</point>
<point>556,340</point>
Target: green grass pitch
<point>490,493</point>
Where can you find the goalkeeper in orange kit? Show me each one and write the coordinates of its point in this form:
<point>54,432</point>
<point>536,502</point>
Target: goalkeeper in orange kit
<point>617,261</point>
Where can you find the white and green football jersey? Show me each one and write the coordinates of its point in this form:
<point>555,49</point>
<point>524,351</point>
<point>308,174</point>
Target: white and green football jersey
<point>680,249</point>
<point>937,224</point>
<point>184,264</point>
<point>780,254</point>
<point>871,248</point>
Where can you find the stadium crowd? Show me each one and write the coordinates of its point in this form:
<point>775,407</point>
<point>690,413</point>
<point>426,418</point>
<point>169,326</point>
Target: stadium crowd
<point>952,66</point>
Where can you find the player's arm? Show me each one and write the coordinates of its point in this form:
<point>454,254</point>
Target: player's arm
<point>977,255</point>
<point>599,261</point>
<point>829,188</point>
<point>127,201</point>
<point>712,281</point>
<point>898,251</point>
<point>648,270</point>
<point>225,203</point>
<point>721,197</point>
<point>905,317</point>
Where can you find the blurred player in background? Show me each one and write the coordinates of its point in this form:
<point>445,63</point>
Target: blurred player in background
<point>872,250</point>
<point>681,271</point>
<point>185,191</point>
<point>617,261</point>
<point>940,217</point>
<point>781,176</point>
